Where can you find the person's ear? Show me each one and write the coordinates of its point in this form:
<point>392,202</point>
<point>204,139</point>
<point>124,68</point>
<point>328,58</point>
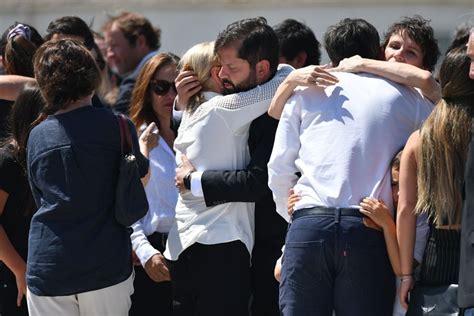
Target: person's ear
<point>141,41</point>
<point>300,60</point>
<point>262,70</point>
<point>215,77</point>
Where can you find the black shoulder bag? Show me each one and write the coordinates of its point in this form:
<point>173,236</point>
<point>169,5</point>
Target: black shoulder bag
<point>130,199</point>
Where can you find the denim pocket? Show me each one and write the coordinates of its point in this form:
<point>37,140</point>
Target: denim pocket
<point>303,264</point>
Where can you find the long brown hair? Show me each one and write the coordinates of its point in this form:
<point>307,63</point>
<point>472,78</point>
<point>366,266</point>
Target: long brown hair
<point>25,114</point>
<point>445,138</point>
<point>141,109</point>
<point>23,117</point>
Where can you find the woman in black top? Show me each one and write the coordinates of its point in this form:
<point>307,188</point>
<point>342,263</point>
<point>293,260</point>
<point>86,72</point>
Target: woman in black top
<point>16,203</point>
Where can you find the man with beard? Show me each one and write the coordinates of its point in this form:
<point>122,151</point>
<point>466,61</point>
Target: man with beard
<point>209,247</point>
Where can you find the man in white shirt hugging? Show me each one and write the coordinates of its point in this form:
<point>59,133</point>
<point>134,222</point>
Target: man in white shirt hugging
<point>341,139</point>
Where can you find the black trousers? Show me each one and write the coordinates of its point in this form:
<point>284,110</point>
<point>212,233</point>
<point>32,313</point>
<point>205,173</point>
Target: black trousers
<point>8,294</point>
<point>265,288</point>
<point>211,280</point>
<point>149,297</point>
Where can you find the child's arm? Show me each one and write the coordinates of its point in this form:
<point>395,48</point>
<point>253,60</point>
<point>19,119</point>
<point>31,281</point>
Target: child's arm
<point>399,72</point>
<point>292,199</point>
<point>11,86</point>
<point>406,218</point>
<point>277,270</point>
<point>313,76</point>
<point>379,213</point>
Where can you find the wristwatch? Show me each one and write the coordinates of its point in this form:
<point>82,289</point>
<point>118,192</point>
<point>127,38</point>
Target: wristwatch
<point>187,180</point>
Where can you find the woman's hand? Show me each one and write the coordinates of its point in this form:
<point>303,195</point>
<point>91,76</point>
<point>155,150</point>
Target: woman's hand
<point>149,139</point>
<point>377,212</point>
<point>406,284</point>
<point>313,76</point>
<point>292,199</point>
<point>20,277</point>
<point>351,64</point>
<point>187,85</point>
<point>182,170</point>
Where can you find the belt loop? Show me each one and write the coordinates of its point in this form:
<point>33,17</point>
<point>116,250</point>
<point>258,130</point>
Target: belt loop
<point>337,215</point>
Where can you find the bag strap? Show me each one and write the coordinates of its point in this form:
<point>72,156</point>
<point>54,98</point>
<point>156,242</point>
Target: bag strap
<point>125,135</point>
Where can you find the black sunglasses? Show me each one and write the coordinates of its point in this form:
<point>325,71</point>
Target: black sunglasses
<point>162,87</point>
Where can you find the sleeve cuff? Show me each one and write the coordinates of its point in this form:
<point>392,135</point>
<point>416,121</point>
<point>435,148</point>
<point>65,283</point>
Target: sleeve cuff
<point>145,252</point>
<point>196,185</point>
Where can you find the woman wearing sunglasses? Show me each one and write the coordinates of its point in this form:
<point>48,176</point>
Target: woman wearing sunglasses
<point>151,112</point>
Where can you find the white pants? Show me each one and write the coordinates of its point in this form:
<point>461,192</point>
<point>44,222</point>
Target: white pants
<point>110,301</point>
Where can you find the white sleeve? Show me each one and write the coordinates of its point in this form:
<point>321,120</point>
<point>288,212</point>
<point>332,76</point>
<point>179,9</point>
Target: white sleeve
<point>241,108</point>
<point>281,167</point>
<point>196,185</point>
<point>140,244</point>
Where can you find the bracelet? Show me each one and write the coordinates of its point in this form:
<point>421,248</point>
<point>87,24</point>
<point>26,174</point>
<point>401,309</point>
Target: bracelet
<point>409,274</point>
<point>404,278</point>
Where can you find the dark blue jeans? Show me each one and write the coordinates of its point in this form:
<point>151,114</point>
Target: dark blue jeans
<point>335,264</point>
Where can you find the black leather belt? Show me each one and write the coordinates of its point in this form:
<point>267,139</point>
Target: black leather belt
<point>337,212</point>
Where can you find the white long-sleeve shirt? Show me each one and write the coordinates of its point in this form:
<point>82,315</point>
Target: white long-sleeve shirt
<point>342,140</point>
<point>162,196</point>
<point>215,137</point>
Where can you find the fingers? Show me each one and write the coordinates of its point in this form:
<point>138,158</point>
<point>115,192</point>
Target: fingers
<point>370,223</point>
<point>184,160</point>
<point>156,269</point>
<point>150,128</point>
<point>183,74</point>
<point>186,163</point>
<point>19,298</point>
<point>150,131</point>
<point>404,299</point>
<point>322,78</point>
<point>365,212</point>
<point>161,273</point>
<point>366,207</point>
<point>292,200</point>
<point>188,85</point>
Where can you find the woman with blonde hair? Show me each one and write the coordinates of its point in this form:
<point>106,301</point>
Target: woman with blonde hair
<point>201,60</point>
<point>431,178</point>
<point>151,112</point>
